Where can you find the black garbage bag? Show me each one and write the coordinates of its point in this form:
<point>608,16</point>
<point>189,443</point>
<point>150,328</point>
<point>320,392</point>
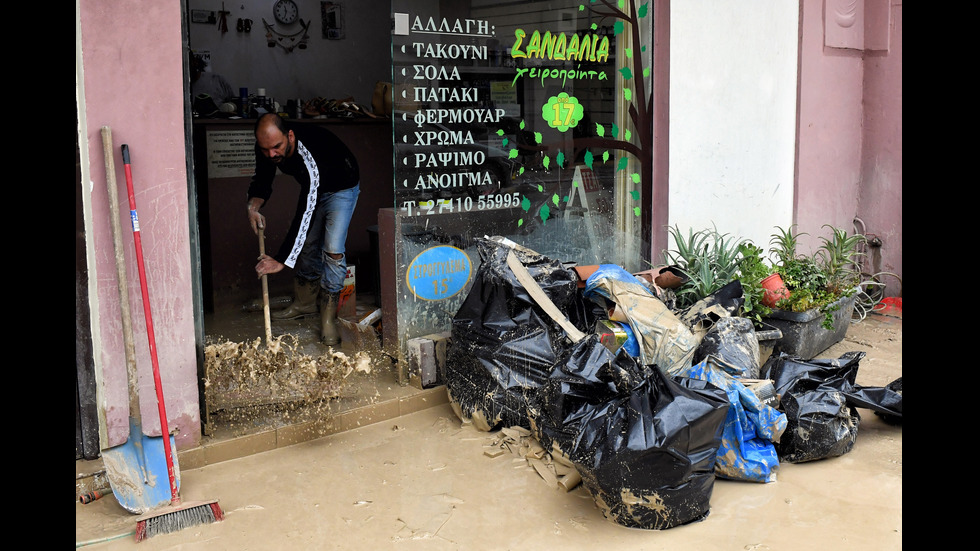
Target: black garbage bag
<point>723,303</point>
<point>819,424</point>
<point>839,374</point>
<point>892,397</point>
<point>643,442</point>
<point>732,342</point>
<point>504,344</point>
<point>588,376</point>
<point>820,399</point>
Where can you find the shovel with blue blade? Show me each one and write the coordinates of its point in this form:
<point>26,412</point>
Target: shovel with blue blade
<point>137,469</point>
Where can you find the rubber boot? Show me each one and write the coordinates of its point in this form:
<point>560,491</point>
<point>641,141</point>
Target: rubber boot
<point>304,301</point>
<point>329,332</point>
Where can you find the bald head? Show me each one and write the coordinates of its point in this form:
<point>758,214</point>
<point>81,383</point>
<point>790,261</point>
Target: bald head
<point>273,139</point>
<point>270,119</point>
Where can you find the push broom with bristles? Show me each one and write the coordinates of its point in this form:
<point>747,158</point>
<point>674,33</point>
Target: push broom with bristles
<point>177,515</point>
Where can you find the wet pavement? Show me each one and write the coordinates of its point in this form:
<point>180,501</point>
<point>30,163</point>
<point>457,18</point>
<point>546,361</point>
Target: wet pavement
<point>413,476</point>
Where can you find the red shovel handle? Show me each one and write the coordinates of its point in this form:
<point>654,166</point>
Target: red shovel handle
<point>157,383</point>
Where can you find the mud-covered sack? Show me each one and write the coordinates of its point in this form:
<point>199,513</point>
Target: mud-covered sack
<point>732,341</point>
<point>840,374</point>
<point>504,345</point>
<point>821,423</point>
<point>643,442</point>
<point>664,340</point>
<point>747,451</point>
<point>590,375</point>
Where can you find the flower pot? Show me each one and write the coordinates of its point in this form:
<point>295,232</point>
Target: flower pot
<point>775,290</point>
<point>803,334</point>
<point>670,277</point>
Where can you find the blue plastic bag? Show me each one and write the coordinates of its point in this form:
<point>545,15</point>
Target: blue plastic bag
<point>747,451</point>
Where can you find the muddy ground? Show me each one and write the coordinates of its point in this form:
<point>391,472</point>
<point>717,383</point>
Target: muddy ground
<point>429,481</point>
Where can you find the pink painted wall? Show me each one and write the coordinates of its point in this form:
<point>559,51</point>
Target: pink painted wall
<point>131,57</point>
<point>830,134</point>
<point>880,197</point>
<point>850,133</point>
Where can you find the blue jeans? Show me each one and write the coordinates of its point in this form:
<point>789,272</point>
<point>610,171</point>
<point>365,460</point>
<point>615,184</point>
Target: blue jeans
<point>328,234</point>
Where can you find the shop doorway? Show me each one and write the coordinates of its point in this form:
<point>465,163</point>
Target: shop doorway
<point>220,158</point>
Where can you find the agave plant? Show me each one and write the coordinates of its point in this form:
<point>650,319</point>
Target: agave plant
<point>839,256</point>
<point>708,258</point>
<point>690,251</point>
<point>783,244</point>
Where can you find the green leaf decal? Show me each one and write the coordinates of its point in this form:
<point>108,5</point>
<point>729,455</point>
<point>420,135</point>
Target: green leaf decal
<point>521,125</point>
<point>526,204</point>
<point>635,194</point>
<point>642,12</point>
<point>545,212</point>
<point>623,163</point>
<point>636,180</point>
<point>627,94</point>
<point>627,135</point>
<point>537,137</point>
<point>588,159</point>
<point>512,154</point>
<point>546,162</point>
<point>503,142</point>
<point>500,132</point>
<point>627,74</point>
<point>618,28</point>
<point>599,130</point>
<point>615,131</point>
<point>605,156</point>
<point>628,52</point>
<point>636,211</point>
<point>560,158</point>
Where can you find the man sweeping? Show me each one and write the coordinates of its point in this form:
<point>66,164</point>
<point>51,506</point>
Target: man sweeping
<point>314,246</point>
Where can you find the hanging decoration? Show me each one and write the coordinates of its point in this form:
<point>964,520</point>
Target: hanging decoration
<point>287,41</point>
<point>223,20</point>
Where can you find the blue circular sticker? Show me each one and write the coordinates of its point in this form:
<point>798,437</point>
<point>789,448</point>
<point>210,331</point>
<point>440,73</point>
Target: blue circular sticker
<point>438,273</point>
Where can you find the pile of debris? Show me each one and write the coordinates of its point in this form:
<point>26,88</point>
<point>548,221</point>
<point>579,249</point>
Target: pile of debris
<point>248,374</point>
<point>595,372</point>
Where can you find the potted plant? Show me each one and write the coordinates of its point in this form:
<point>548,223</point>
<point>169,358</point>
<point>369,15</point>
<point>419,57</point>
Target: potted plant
<point>822,290</point>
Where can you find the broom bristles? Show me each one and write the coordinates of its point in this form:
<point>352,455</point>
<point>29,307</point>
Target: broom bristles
<point>178,518</point>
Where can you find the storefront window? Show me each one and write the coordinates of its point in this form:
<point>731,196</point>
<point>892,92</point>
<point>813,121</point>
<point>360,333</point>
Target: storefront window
<point>524,120</point>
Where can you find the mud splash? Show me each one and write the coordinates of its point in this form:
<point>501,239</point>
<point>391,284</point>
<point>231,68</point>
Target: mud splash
<point>243,380</point>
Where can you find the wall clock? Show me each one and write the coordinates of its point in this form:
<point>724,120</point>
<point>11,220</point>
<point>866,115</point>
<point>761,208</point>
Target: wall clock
<point>286,11</point>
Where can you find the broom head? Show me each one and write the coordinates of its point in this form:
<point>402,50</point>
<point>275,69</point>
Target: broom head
<point>173,518</point>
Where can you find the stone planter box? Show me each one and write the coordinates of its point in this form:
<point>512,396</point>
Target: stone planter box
<point>803,333</point>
